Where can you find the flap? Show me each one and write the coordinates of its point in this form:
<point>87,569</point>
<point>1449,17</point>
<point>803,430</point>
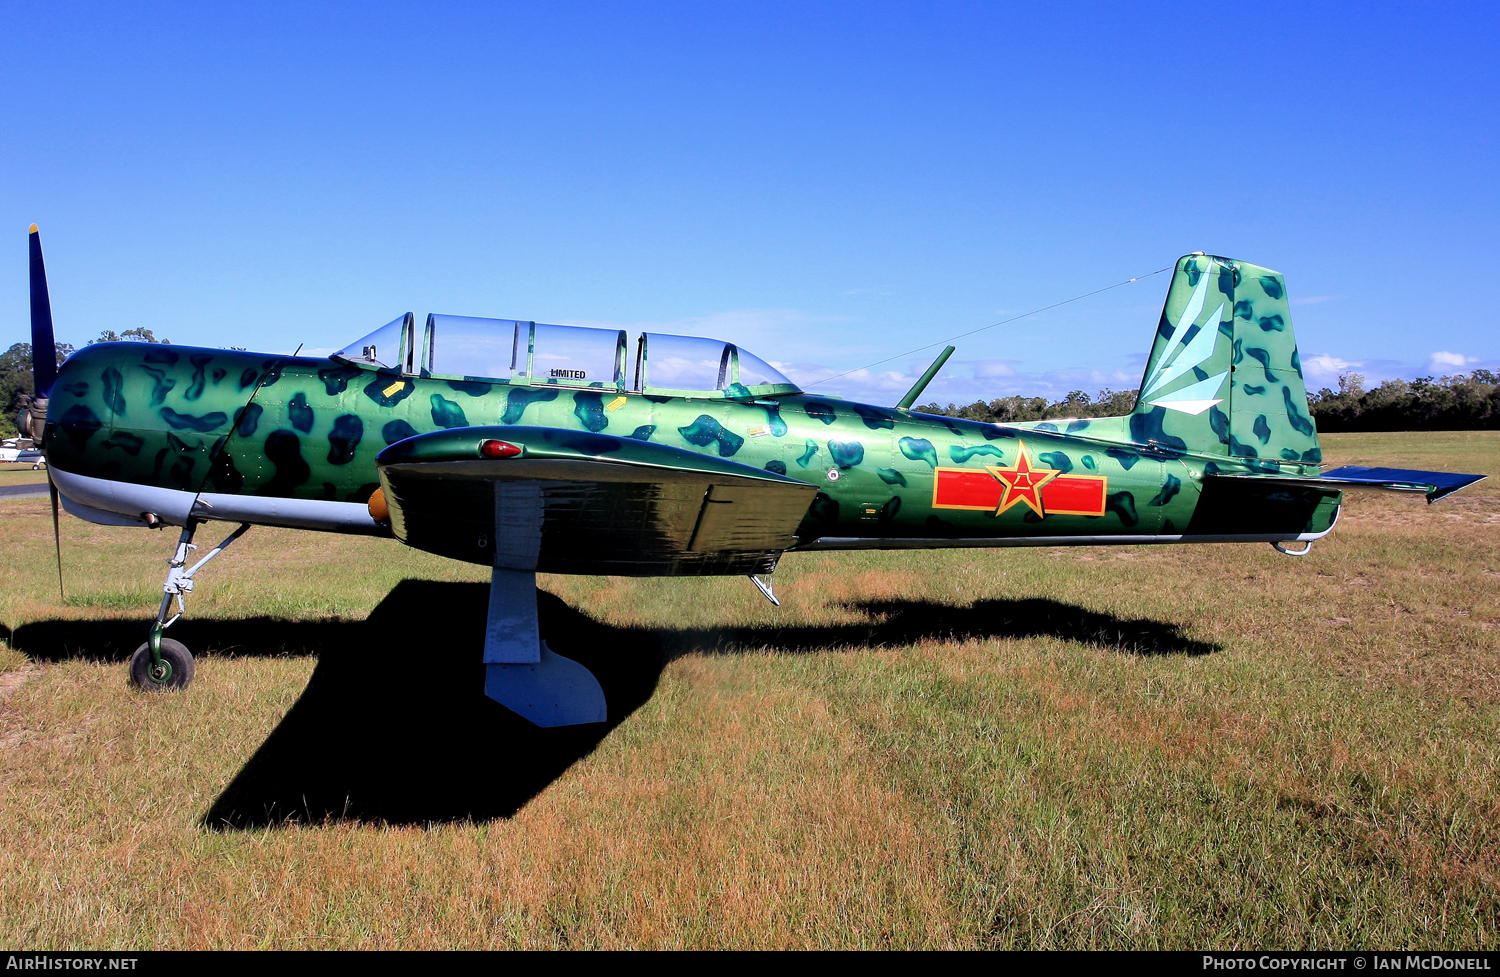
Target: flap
<point>604,504</point>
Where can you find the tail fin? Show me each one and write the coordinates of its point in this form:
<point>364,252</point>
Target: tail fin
<point>1224,376</point>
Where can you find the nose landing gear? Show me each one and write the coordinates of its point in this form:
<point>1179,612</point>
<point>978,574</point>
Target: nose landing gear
<point>170,668</point>
<point>161,663</point>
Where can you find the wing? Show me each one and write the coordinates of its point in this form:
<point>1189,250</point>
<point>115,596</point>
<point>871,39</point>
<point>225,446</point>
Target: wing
<point>573,502</point>
<point>1434,485</point>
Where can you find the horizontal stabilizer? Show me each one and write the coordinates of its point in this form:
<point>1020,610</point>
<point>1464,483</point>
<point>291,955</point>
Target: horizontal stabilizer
<point>1435,485</point>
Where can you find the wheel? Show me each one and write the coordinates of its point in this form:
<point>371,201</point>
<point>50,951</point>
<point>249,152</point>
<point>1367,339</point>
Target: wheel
<point>175,672</point>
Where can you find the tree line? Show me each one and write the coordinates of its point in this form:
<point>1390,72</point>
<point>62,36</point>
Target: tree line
<point>1006,410</point>
<point>1465,402</point>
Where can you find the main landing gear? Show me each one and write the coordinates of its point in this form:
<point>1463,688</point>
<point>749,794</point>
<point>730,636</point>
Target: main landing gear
<point>520,671</point>
<point>161,663</point>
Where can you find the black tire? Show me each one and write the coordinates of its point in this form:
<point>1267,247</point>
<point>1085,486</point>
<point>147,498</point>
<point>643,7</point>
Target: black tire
<point>173,654</point>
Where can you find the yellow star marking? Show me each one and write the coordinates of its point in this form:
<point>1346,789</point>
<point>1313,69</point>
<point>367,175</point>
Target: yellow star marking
<point>1023,483</point>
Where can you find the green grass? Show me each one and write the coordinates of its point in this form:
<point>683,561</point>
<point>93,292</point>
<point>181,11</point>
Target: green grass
<point>1211,746</point>
<point>114,600</point>
<point>13,474</point>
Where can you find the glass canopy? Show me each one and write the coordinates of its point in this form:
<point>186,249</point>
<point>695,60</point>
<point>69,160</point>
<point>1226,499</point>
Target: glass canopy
<point>540,354</point>
<point>688,366</point>
<point>468,347</point>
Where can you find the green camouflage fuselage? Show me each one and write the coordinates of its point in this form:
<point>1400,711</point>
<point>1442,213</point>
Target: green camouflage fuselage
<point>156,415</point>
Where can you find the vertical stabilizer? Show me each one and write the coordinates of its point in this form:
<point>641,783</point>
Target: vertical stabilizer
<point>1223,377</point>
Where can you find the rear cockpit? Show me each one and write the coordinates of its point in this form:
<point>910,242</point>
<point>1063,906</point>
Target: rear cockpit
<point>514,351</point>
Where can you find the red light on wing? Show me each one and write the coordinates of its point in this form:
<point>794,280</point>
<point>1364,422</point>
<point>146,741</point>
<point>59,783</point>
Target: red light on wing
<point>499,449</point>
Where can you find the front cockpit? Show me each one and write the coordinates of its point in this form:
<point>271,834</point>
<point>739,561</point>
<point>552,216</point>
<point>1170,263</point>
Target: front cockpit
<point>467,348</point>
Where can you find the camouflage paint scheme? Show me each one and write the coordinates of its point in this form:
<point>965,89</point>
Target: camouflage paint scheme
<point>1223,393</point>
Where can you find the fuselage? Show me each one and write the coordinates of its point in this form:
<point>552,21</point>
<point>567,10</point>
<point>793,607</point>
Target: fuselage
<point>129,423</point>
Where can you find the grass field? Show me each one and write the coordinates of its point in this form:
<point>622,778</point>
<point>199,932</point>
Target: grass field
<point>13,474</point>
<point>1210,746</point>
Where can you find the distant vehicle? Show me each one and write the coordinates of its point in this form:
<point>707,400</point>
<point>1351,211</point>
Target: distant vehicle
<point>15,450</point>
<point>527,447</point>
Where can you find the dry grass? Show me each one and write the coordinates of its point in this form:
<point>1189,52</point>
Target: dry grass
<point>1171,747</point>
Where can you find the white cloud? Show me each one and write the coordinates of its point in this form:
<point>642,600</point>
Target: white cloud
<point>1440,360</point>
<point>990,369</point>
<point>1324,365</point>
<point>735,325</point>
<point>1316,299</point>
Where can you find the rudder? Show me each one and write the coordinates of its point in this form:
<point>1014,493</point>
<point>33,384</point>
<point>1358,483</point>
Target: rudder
<point>1268,417</point>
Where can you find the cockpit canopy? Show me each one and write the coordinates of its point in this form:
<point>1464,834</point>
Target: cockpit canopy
<point>538,354</point>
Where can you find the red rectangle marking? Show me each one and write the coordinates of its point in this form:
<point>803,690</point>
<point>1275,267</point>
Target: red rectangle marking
<point>977,488</point>
<point>1075,495</point>
<point>965,488</point>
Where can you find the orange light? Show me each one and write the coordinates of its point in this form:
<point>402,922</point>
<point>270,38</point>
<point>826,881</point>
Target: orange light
<point>379,511</point>
<point>499,449</point>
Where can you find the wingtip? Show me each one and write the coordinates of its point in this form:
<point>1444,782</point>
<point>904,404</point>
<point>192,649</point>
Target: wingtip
<point>33,229</point>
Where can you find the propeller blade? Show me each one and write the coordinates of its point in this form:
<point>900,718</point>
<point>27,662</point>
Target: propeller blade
<point>56,534</point>
<point>43,344</point>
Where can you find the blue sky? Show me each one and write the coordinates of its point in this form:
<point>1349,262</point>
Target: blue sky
<point>826,184</point>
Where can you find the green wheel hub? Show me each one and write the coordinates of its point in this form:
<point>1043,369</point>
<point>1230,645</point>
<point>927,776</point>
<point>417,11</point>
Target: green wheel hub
<point>160,666</point>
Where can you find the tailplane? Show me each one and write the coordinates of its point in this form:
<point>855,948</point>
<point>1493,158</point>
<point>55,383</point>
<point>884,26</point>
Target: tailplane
<point>1224,376</point>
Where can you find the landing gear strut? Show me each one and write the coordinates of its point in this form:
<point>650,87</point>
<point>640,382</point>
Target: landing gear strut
<point>520,671</point>
<point>162,663</point>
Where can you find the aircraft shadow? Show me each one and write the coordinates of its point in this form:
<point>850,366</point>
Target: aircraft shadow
<point>903,622</point>
<point>393,726</point>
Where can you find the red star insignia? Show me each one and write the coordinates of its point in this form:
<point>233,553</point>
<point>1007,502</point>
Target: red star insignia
<point>1023,483</point>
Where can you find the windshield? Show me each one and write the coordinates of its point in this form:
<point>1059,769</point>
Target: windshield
<point>387,348</point>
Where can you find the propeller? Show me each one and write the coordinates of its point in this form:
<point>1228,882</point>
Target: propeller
<point>43,375</point>
<point>56,535</point>
<point>43,344</point>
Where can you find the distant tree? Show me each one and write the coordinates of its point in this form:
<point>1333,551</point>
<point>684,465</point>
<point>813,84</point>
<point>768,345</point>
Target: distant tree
<point>1004,410</point>
<point>1008,410</point>
<point>1114,403</point>
<point>140,334</point>
<point>15,380</point>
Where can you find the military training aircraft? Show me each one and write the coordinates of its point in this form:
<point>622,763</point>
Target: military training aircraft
<point>528,447</point>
